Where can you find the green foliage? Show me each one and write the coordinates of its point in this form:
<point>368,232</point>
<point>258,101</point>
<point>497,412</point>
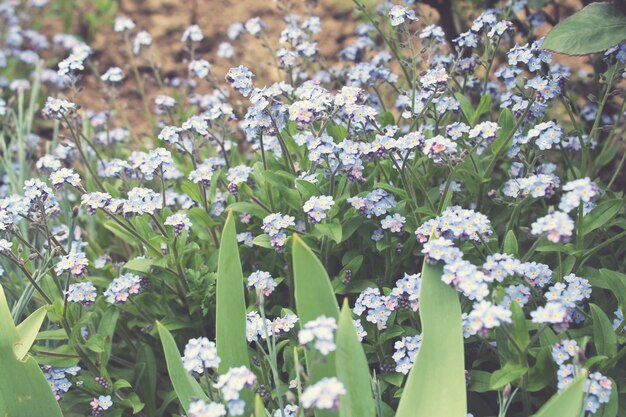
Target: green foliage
<point>23,388</point>
<point>595,28</point>
<point>314,297</point>
<point>436,383</point>
<point>568,403</point>
<point>352,370</point>
<point>231,305</point>
<point>186,387</point>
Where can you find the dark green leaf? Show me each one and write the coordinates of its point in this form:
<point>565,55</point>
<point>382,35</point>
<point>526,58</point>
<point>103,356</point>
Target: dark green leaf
<point>595,28</point>
<point>509,373</point>
<point>567,403</point>
<point>603,334</point>
<point>186,387</point>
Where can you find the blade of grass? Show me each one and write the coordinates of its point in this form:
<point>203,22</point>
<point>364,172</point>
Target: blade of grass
<point>436,383</point>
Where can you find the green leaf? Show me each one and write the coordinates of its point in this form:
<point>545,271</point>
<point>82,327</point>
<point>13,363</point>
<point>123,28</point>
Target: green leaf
<point>263,241</point>
<point>28,330</point>
<point>352,370</point>
<point>616,281</point>
<point>252,208</point>
<point>314,297</point>
<point>542,373</point>
<point>24,390</point>
<point>595,28</point>
<point>146,378</point>
<point>466,107</point>
<point>106,329</point>
<point>436,383</point>
<point>603,334</point>
<point>510,243</point>
<point>506,122</point>
<point>481,381</point>
<point>567,403</point>
<point>259,408</point>
<point>337,132</point>
<point>186,387</point>
<point>230,333</point>
<point>509,373</point>
<point>519,330</point>
<point>483,107</point>
<point>330,230</point>
<point>602,214</point>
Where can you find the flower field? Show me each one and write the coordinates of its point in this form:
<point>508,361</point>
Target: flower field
<point>418,213</point>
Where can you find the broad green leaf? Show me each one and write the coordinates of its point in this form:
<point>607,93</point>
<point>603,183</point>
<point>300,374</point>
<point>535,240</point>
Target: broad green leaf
<point>186,387</point>
<point>509,373</point>
<point>519,330</point>
<point>24,390</point>
<point>481,381</point>
<point>483,107</point>
<point>542,373</point>
<point>259,408</point>
<point>331,230</point>
<point>28,330</point>
<point>230,333</point>
<point>616,281</point>
<point>352,370</point>
<point>314,297</point>
<point>252,208</point>
<point>602,214</point>
<point>506,123</point>
<point>106,329</point>
<point>263,241</point>
<point>144,264</point>
<point>595,28</point>
<point>466,107</point>
<point>387,119</point>
<point>510,243</point>
<point>146,378</point>
<point>436,383</point>
<point>567,403</point>
<point>337,132</point>
<point>603,334</point>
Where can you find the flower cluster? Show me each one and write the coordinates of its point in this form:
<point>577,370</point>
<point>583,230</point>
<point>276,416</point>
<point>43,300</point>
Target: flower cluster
<point>240,78</point>
<point>81,292</point>
<point>262,281</point>
<point>558,227</point>
<point>579,191</point>
<point>376,203</point>
<point>180,222</point>
<point>317,207</point>
<point>320,333</point>
<point>74,263</point>
<point>275,225</point>
<point>324,394</point>
<point>123,287</point>
<point>100,404</point>
<point>405,294</point>
<point>597,386</point>
<point>456,223</point>
<point>405,352</point>
<point>58,379</point>
<point>231,384</point>
<point>200,354</point>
